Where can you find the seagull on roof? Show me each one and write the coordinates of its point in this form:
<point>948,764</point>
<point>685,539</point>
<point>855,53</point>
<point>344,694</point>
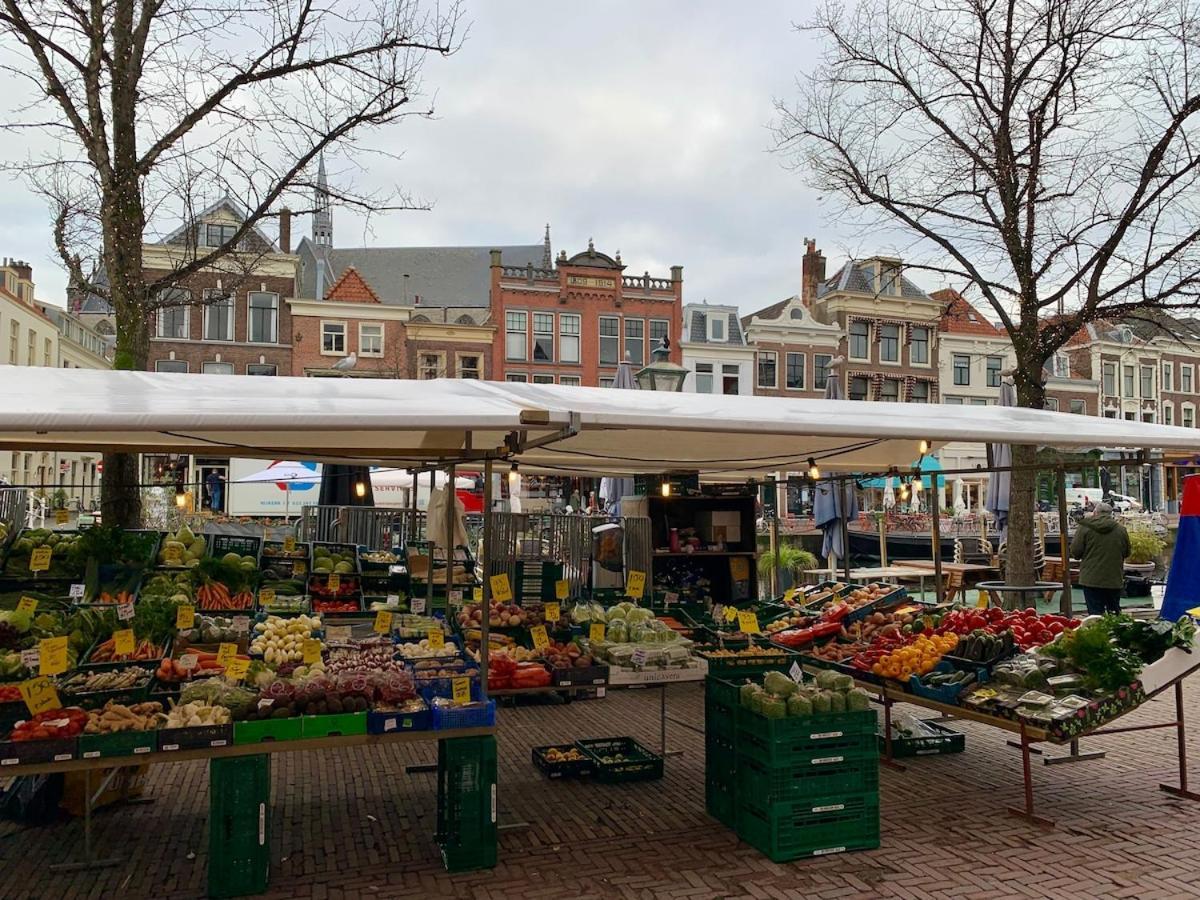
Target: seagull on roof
<point>346,363</point>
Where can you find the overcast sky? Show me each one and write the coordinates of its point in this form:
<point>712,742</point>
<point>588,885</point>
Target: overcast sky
<point>642,125</point>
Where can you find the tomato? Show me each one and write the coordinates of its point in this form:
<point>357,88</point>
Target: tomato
<point>1056,628</point>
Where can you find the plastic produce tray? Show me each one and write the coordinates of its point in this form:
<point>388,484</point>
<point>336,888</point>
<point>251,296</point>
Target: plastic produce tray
<point>122,743</point>
<point>823,777</point>
<point>264,730</point>
<point>569,769</point>
<point>643,765</point>
<point>945,741</point>
<point>797,830</point>
<point>172,739</point>
<point>18,753</point>
<point>382,722</point>
<point>475,715</point>
<point>340,724</point>
<point>946,693</point>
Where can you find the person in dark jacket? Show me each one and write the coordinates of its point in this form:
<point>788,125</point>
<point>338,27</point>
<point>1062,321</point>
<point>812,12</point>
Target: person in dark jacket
<point>1101,545</point>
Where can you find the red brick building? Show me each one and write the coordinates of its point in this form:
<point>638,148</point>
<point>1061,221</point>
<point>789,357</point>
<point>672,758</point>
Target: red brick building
<point>574,322</point>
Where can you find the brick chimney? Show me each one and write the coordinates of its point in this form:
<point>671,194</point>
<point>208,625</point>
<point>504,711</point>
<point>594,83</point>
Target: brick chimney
<point>22,269</point>
<point>285,230</point>
<point>813,271</point>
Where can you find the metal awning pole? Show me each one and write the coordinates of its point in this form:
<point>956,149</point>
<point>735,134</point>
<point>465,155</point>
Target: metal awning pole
<point>451,510</point>
<point>485,562</point>
<point>412,506</point>
<point>1065,602</point>
<point>429,540</point>
<point>845,520</point>
<point>935,523</point>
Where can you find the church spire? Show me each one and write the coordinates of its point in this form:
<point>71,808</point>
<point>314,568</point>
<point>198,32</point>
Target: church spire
<point>322,213</point>
<point>547,256</point>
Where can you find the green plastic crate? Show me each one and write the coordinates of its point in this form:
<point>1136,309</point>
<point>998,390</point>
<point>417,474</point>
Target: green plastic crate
<point>798,753</point>
<point>466,805</point>
<point>824,777</point>
<point>263,730</point>
<point>720,801</point>
<point>340,724</point>
<point>239,860</point>
<point>947,740</point>
<point>814,730</point>
<point>640,764</point>
<point>795,831</point>
<point>123,743</point>
<point>720,758</point>
<point>719,719</point>
<point>722,691</point>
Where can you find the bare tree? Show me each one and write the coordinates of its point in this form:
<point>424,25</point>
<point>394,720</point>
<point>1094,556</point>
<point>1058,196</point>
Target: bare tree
<point>149,106</point>
<point>1036,151</point>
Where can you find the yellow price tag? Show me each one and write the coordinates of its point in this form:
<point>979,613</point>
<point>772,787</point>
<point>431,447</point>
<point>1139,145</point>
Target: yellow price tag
<point>1194,612</point>
<point>747,621</point>
<point>739,568</point>
<point>237,669</point>
<point>311,650</point>
<point>27,605</point>
<point>982,602</point>
<point>299,567</point>
<point>788,595</point>
<point>596,631</point>
<point>562,589</point>
<point>39,559</point>
<point>334,581</point>
<point>540,639</point>
<point>477,595</point>
<point>61,517</point>
<point>266,596</point>
<point>383,622</point>
<point>123,643</point>
<point>437,639</point>
<point>53,656</point>
<point>173,556</point>
<point>460,689</point>
<point>635,584</point>
<point>501,589</point>
<point>731,614</point>
<point>39,695</point>
<point>185,617</point>
<point>289,544</point>
<point>553,613</point>
<point>226,653</point>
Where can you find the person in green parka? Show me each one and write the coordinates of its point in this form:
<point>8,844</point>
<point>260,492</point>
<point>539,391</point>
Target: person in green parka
<point>1101,544</point>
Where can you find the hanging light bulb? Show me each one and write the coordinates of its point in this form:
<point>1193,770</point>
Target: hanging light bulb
<point>180,498</point>
<point>666,489</point>
<point>813,471</point>
<point>513,475</point>
<point>360,488</point>
<point>903,490</point>
<point>923,447</point>
<point>917,486</point>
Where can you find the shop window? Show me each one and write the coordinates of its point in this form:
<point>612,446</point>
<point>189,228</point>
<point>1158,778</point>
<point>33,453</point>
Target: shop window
<point>516,340</point>
<point>795,371</point>
<point>768,361</point>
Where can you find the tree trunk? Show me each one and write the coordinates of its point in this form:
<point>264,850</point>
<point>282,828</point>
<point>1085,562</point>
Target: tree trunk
<point>1020,516</point>
<point>120,494</point>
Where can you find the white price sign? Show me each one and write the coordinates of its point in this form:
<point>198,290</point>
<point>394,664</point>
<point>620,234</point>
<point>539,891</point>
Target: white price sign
<point>418,605</point>
<point>77,591</point>
<point>241,624</point>
<point>393,600</point>
<point>125,611</point>
<point>189,661</point>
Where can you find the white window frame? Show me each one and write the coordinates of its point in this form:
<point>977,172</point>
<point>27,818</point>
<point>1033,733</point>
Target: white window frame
<point>222,226</point>
<point>542,334</point>
<point>210,305</point>
<point>928,361</point>
<point>543,378</point>
<point>758,360</point>
<point>899,383</point>
<point>1142,368</point>
<point>204,367</point>
<point>362,351</point>
<point>928,391</point>
<point>1191,378</point>
<point>1105,367</point>
<point>729,370</point>
<point>850,340</point>
<point>1050,403</point>
<point>711,320</point>
<point>803,371</point>
<point>601,337</point>
<point>953,401</point>
<point>954,369</point>
<point>1168,412</point>
<point>516,377</point>
<point>187,322</point>
<point>828,360</point>
<point>511,330</point>
<point>1187,411</point>
<point>643,357</point>
<point>709,374</point>
<point>651,340</point>
<point>1060,365</point>
<point>867,386</point>
<point>1168,376</point>
<point>250,366</point>
<point>345,337</point>
<point>459,368</point>
<point>899,345</point>
<point>570,380</point>
<point>568,339</point>
<point>1128,381</point>
<point>249,317</point>
<point>439,364</point>
<point>988,370</point>
<point>158,365</point>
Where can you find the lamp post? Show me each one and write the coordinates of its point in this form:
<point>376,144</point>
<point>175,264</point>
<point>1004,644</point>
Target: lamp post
<point>661,374</point>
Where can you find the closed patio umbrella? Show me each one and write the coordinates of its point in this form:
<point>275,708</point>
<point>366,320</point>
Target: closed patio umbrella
<point>613,489</point>
<point>998,482</point>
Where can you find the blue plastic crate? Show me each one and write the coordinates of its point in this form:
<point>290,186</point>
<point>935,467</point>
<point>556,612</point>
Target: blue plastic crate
<point>477,715</point>
<point>381,722</point>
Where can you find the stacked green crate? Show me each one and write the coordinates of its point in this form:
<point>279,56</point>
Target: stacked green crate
<point>720,750</point>
<point>239,860</point>
<point>466,807</point>
<point>808,785</point>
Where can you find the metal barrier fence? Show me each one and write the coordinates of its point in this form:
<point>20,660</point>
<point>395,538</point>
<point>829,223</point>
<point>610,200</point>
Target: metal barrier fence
<point>13,505</point>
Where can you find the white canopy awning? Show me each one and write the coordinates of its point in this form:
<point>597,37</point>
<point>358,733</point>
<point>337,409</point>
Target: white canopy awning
<point>403,422</point>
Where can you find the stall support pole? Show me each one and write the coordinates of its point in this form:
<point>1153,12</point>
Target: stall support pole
<point>935,535</point>
<point>662,729</point>
<point>776,585</point>
<point>883,557</point>
<point>89,861</point>
<point>1073,755</point>
<point>429,532</point>
<point>844,524</point>
<point>1182,790</point>
<point>886,759</point>
<point>1027,772</point>
<point>1065,602</point>
<point>485,562</point>
<point>451,513</point>
<point>412,508</point>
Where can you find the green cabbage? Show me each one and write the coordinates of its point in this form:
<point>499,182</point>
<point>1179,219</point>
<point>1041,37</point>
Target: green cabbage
<point>778,683</point>
<point>799,705</point>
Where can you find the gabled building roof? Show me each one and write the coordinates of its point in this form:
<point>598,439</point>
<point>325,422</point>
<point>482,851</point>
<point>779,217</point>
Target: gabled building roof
<point>858,276</point>
<point>960,317</point>
<point>352,288</point>
<point>231,206</point>
<point>696,316</point>
<point>767,312</point>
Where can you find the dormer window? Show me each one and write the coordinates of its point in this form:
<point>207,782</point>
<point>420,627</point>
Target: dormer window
<point>217,235</point>
<point>797,313</point>
<point>716,328</point>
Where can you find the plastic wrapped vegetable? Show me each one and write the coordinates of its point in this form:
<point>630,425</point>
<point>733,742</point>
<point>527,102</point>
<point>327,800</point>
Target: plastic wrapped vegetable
<point>773,707</point>
<point>799,705</point>
<point>821,703</point>
<point>827,679</point>
<point>857,700</point>
<point>746,691</point>
<point>837,702</point>
<point>778,683</point>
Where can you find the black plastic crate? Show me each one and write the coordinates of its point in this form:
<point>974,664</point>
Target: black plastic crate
<point>196,738</point>
<point>639,765</point>
<point>24,753</point>
<point>563,769</point>
<point>241,544</point>
<point>945,741</point>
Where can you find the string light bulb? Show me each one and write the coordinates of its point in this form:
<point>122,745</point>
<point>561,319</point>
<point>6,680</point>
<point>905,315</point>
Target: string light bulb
<point>180,499</point>
<point>923,447</point>
<point>666,489</point>
<point>904,490</point>
<point>813,471</point>
<point>360,489</point>
<point>513,475</point>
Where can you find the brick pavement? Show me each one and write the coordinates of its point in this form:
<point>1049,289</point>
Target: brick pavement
<point>353,825</point>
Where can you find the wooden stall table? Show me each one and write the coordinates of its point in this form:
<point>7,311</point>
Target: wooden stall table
<point>960,572</point>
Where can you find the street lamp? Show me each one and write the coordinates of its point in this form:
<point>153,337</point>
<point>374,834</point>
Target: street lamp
<point>661,374</point>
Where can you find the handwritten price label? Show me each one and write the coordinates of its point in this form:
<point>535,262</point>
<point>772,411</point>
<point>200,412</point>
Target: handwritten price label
<point>39,559</point>
<point>78,591</point>
<point>670,598</point>
<point>189,661</point>
<point>125,611</point>
<point>237,669</point>
<point>460,690</point>
<point>289,544</point>
<point>39,695</point>
<point>788,595</point>
<point>241,624</point>
<point>501,589</point>
<point>477,595</point>
<point>27,605</point>
<point>540,639</point>
<point>334,581</point>
<point>456,597</point>
<point>748,621</point>
<point>61,517</point>
<point>31,658</point>
<point>437,640</point>
<point>731,614</point>
<point>552,612</point>
<point>383,622</point>
<point>338,634</point>
<point>123,643</point>
<point>311,650</point>
<point>53,655</point>
<point>562,589</point>
<point>418,605</point>
<point>393,600</point>
<point>266,596</point>
<point>596,631</point>
<point>635,584</point>
<point>226,653</point>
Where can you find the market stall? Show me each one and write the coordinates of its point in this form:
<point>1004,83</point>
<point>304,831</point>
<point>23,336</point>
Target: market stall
<point>537,428</point>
